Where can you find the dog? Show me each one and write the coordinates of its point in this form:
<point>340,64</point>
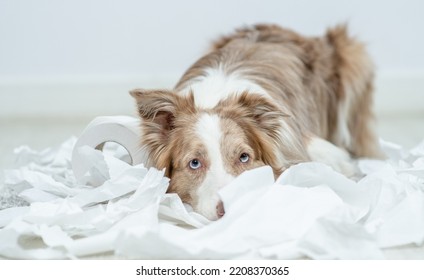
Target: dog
<point>264,95</point>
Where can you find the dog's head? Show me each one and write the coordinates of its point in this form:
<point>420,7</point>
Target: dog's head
<point>201,149</point>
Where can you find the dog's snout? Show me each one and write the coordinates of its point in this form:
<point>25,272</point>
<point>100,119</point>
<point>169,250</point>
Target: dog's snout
<point>220,211</point>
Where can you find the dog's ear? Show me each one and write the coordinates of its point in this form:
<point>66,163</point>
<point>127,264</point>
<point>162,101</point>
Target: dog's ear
<point>158,110</point>
<point>262,111</point>
<point>157,107</point>
<point>263,122</point>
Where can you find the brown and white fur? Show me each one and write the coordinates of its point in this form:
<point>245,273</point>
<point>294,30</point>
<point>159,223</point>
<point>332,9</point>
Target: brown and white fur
<point>262,96</point>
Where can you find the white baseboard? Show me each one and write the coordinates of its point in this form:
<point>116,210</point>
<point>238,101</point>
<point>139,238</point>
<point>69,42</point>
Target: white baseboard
<point>82,98</point>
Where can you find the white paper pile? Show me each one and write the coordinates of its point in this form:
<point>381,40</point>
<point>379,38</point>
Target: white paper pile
<point>310,211</point>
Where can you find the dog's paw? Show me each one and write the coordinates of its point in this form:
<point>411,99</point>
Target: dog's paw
<point>323,151</point>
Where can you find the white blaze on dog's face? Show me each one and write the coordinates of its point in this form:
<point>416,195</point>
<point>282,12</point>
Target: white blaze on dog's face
<point>217,152</point>
<point>204,149</point>
<point>209,130</point>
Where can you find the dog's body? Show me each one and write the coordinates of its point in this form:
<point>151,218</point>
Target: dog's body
<point>262,96</point>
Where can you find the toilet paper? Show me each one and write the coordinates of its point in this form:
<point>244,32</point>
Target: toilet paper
<point>123,130</point>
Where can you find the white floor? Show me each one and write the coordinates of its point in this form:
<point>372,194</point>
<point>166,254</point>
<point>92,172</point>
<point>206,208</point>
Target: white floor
<point>407,131</point>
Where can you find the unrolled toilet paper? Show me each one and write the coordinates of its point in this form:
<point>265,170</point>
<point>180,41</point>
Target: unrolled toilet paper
<point>123,130</point>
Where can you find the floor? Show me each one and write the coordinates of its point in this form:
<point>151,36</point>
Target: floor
<point>407,131</point>
<point>36,133</point>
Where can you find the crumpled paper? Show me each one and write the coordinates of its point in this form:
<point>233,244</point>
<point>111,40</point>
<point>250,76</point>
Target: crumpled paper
<point>311,211</point>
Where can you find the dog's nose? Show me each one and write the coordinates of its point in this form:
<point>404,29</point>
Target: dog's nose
<point>220,209</point>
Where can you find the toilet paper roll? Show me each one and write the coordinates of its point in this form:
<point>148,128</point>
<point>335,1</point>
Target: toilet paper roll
<point>123,130</point>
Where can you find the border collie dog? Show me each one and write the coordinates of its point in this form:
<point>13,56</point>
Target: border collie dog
<point>263,95</point>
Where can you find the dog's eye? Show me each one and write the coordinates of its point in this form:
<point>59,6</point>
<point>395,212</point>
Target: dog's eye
<point>195,164</point>
<point>244,158</point>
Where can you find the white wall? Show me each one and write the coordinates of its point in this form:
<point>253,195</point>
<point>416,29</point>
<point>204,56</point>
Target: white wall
<point>141,43</point>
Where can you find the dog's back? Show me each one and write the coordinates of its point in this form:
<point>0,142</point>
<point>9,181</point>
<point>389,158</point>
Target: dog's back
<point>323,83</point>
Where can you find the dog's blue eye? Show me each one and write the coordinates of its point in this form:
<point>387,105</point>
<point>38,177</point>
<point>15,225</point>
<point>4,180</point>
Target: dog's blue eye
<point>195,164</point>
<point>244,158</point>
